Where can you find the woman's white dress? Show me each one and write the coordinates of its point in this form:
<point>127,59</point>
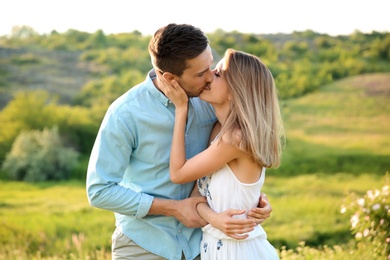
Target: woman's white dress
<point>224,191</point>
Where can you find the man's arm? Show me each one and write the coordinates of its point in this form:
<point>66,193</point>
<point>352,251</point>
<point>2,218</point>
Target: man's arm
<point>107,164</point>
<point>183,210</point>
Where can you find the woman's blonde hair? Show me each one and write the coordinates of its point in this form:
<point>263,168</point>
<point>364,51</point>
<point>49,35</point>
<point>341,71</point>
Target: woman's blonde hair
<point>254,109</point>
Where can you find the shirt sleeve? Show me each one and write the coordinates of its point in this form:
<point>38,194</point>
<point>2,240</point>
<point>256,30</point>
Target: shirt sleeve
<point>107,165</point>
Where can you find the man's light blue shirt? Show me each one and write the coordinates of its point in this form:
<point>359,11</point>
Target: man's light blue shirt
<point>129,167</point>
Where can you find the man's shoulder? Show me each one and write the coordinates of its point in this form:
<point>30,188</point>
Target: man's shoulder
<point>130,96</point>
<point>127,106</point>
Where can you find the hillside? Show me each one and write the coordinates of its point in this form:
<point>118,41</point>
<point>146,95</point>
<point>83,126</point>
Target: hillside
<point>343,127</point>
<point>59,72</point>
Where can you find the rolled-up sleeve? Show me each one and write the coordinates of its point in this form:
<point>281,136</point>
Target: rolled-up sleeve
<point>144,205</point>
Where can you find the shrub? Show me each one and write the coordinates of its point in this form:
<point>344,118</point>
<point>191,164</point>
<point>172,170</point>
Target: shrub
<point>370,219</point>
<point>40,156</point>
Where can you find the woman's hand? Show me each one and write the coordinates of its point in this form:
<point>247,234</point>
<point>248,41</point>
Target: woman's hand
<point>224,221</point>
<point>263,210</point>
<point>233,227</point>
<point>175,93</point>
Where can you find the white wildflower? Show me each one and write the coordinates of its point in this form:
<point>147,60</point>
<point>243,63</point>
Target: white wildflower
<point>360,202</point>
<point>370,195</point>
<point>376,206</point>
<point>354,220</point>
<point>358,235</point>
<point>385,190</point>
<point>366,232</point>
<point>343,210</point>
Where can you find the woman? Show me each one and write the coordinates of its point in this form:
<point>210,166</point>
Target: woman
<point>246,140</point>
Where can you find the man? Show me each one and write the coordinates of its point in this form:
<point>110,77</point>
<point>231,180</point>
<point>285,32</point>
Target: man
<point>128,172</point>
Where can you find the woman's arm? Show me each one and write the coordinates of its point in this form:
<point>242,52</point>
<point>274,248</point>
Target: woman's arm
<point>203,164</point>
<point>214,157</point>
<point>179,98</point>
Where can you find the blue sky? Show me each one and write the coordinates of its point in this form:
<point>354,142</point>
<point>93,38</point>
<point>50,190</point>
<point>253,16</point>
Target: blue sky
<point>334,17</point>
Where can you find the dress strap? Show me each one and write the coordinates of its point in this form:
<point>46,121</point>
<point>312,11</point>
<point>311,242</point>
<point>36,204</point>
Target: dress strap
<point>215,138</point>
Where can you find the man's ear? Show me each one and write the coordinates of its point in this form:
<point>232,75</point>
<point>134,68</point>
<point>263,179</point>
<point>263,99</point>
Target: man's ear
<point>168,76</point>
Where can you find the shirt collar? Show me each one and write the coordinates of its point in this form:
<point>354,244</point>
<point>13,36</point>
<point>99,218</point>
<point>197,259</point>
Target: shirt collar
<point>154,91</point>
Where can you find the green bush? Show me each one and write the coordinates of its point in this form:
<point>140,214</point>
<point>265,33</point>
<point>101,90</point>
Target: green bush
<point>370,219</point>
<point>40,156</point>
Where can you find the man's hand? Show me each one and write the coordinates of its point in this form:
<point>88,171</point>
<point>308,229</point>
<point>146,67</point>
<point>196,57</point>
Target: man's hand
<point>185,211</point>
<point>263,210</point>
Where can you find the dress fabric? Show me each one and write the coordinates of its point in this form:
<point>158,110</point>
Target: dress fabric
<point>224,191</point>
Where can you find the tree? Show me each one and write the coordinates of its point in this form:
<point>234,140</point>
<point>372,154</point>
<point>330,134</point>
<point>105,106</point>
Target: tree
<point>22,31</point>
<point>40,156</point>
<point>37,110</point>
<point>98,40</point>
<point>25,112</point>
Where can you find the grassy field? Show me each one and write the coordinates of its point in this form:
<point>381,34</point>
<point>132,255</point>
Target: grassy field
<point>337,142</point>
<point>344,127</point>
<point>55,220</point>
<point>51,219</point>
<point>307,208</point>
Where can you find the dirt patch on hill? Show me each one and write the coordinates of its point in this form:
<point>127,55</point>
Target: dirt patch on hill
<point>59,72</point>
<point>374,84</point>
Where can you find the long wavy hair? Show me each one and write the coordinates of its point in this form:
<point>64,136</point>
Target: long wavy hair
<point>254,109</point>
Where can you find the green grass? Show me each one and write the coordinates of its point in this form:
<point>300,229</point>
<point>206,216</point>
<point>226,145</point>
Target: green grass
<point>307,207</point>
<point>51,219</point>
